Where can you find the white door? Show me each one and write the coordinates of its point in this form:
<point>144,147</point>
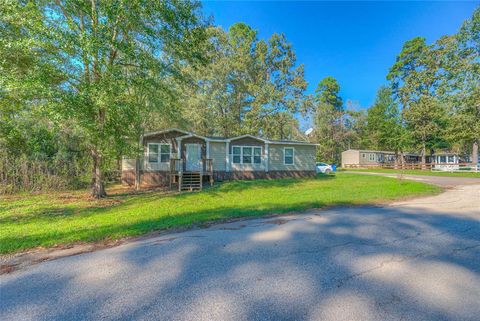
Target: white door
<point>193,157</point>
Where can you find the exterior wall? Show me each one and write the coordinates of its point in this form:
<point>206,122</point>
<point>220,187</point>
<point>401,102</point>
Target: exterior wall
<point>128,164</point>
<point>157,174</point>
<point>148,178</point>
<point>350,157</point>
<point>166,138</point>
<point>193,140</point>
<point>304,158</point>
<point>247,141</point>
<point>218,154</point>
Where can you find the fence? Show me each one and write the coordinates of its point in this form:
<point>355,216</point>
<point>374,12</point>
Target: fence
<point>461,167</point>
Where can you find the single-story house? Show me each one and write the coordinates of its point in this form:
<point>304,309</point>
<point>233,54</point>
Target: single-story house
<point>359,158</point>
<point>367,157</point>
<point>175,156</point>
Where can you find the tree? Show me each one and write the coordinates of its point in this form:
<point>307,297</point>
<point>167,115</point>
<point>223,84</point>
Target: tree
<point>414,78</point>
<point>460,82</point>
<point>384,123</point>
<point>328,118</point>
<point>248,83</point>
<point>109,52</point>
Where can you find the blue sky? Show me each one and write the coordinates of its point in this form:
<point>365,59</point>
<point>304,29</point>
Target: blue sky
<point>355,42</point>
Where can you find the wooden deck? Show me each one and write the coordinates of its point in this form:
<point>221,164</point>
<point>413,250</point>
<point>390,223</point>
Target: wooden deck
<point>190,180</point>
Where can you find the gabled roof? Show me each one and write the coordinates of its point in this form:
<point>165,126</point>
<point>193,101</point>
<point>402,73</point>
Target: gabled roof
<point>158,132</point>
<point>187,134</point>
<point>247,136</point>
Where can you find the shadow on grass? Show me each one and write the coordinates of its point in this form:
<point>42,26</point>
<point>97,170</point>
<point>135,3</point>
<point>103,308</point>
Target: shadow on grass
<point>112,231</point>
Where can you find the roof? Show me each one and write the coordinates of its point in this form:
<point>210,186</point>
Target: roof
<point>370,151</point>
<point>228,139</point>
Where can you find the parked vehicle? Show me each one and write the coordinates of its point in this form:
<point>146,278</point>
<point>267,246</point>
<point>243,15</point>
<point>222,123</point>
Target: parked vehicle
<point>323,168</point>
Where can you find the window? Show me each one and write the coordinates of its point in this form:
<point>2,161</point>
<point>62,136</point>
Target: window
<point>153,153</point>
<point>257,155</point>
<point>236,155</point>
<point>364,155</point>
<point>288,156</point>
<point>451,159</point>
<point>158,152</point>
<point>164,153</point>
<point>371,157</point>
<point>443,159</point>
<point>247,155</point>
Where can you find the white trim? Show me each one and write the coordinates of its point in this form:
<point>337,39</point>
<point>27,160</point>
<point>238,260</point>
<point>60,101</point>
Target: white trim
<point>203,137</point>
<point>159,154</point>
<point>227,157</point>
<point>253,154</point>
<point>267,156</point>
<point>207,149</point>
<point>179,147</point>
<point>293,156</point>
<point>293,143</point>
<point>250,136</point>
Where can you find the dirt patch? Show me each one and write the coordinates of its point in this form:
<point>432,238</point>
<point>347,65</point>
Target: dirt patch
<point>10,263</point>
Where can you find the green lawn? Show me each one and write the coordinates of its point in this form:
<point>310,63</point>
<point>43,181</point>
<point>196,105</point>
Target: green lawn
<point>28,221</point>
<point>415,172</point>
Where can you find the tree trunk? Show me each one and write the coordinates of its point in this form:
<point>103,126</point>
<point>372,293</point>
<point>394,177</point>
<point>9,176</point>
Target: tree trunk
<point>137,173</point>
<point>138,166</point>
<point>475,153</point>
<point>424,156</point>
<point>98,187</point>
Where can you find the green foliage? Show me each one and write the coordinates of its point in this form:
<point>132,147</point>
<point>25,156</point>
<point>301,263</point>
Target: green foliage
<point>114,61</point>
<point>384,123</point>
<point>248,86</point>
<point>329,122</point>
<point>327,93</point>
<point>460,82</point>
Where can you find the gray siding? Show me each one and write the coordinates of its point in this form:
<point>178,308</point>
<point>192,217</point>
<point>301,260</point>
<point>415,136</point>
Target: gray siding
<point>350,157</point>
<point>247,141</point>
<point>218,154</point>
<point>304,158</point>
<point>166,138</point>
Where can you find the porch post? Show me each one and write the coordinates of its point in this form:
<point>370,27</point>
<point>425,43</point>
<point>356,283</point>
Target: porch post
<point>267,159</point>
<point>179,148</point>
<point>227,157</point>
<point>208,149</point>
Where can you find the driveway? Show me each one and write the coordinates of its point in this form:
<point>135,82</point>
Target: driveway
<point>444,181</point>
<point>412,260</point>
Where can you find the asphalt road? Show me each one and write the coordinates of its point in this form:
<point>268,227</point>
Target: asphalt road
<point>413,260</point>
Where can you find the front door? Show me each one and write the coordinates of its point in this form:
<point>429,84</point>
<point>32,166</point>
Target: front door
<point>193,157</point>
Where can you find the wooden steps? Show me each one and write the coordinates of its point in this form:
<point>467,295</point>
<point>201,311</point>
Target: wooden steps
<point>190,181</point>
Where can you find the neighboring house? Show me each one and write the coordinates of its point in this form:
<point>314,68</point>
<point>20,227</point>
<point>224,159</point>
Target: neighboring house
<point>174,155</point>
<point>367,157</point>
<point>358,158</point>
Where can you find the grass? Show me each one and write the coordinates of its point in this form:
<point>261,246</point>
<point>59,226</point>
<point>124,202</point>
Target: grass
<point>29,221</point>
<point>416,172</point>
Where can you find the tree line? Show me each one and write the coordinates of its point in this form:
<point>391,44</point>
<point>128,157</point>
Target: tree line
<point>430,103</point>
<point>80,82</point>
